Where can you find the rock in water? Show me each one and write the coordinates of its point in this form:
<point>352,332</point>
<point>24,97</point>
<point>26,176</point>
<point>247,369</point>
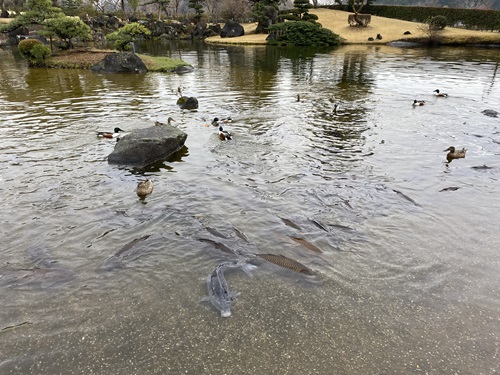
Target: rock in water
<point>145,146</point>
<point>190,103</point>
<point>490,113</point>
<point>120,63</point>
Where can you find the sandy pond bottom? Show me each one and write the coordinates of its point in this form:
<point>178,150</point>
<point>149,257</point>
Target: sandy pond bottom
<point>406,281</point>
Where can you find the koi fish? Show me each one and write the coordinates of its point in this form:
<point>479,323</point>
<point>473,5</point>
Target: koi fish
<point>306,244</point>
<point>287,263</point>
<point>219,294</point>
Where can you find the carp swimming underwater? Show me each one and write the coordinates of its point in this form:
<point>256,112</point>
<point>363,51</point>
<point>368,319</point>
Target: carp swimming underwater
<point>287,263</point>
<point>219,294</point>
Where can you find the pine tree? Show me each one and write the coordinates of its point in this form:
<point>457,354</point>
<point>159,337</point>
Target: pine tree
<point>302,6</point>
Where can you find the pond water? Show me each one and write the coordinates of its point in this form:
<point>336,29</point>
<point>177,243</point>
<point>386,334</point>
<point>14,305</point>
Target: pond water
<point>407,278</point>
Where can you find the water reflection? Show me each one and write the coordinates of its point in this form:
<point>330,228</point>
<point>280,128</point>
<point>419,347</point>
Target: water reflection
<point>162,164</point>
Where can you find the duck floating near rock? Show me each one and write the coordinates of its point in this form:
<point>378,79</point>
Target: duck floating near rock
<point>115,134</point>
<point>454,153</point>
<point>144,188</point>
<point>224,135</point>
<point>418,102</point>
<point>440,94</point>
<point>169,122</point>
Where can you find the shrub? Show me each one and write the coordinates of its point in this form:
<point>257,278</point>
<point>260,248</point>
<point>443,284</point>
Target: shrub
<point>40,52</point>
<point>126,34</point>
<point>34,50</point>
<point>302,33</point>
<point>309,17</point>
<point>291,17</point>
<point>432,28</point>
<point>68,29</point>
<point>26,45</point>
<point>437,22</point>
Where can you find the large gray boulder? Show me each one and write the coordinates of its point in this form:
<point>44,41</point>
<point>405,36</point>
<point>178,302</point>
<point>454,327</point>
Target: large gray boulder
<point>146,146</point>
<point>120,63</point>
<point>232,29</point>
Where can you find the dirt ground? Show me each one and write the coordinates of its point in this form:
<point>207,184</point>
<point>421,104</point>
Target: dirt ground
<point>390,29</point>
<point>79,57</point>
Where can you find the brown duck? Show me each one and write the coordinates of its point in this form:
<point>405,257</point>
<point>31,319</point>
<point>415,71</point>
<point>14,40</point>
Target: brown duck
<point>454,153</point>
<point>144,188</point>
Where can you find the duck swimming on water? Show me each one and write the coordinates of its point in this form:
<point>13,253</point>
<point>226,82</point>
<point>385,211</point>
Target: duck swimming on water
<point>169,122</point>
<point>115,134</point>
<point>144,188</point>
<point>418,102</point>
<point>224,135</point>
<point>441,94</point>
<point>216,121</point>
<point>454,153</point>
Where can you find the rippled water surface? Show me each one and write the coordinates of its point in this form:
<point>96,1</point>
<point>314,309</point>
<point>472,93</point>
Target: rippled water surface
<point>406,280</point>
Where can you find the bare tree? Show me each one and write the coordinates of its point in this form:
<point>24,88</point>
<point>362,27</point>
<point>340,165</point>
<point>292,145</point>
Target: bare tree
<point>235,10</point>
<point>434,33</point>
<point>357,5</point>
<point>175,5</point>
<point>212,7</point>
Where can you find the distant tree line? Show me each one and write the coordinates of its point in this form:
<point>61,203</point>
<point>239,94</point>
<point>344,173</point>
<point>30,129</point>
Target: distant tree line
<point>206,10</point>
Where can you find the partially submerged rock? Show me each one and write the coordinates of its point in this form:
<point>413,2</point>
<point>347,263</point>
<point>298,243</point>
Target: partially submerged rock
<point>183,69</point>
<point>187,102</point>
<point>145,146</point>
<point>490,113</point>
<point>122,62</point>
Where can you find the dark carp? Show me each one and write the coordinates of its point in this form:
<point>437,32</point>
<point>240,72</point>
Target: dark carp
<point>219,294</point>
<point>115,260</point>
<point>42,272</point>
<point>218,245</point>
<point>307,244</point>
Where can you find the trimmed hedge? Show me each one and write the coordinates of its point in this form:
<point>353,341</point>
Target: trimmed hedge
<point>34,50</point>
<point>301,33</point>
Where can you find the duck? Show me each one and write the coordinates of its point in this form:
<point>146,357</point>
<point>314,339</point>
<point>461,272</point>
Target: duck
<point>441,94</point>
<point>418,102</point>
<point>224,135</point>
<point>169,122</point>
<point>115,134</point>
<point>454,153</point>
<point>144,188</point>
<point>225,120</point>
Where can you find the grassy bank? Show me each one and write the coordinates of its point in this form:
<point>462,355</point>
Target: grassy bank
<point>390,29</point>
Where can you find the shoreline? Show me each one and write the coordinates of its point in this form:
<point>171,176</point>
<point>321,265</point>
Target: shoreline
<point>391,30</point>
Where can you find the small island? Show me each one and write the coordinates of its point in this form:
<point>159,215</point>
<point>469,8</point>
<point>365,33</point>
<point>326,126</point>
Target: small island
<point>47,37</point>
